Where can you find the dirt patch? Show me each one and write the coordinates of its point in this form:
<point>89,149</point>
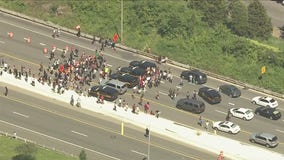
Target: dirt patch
<point>276,32</point>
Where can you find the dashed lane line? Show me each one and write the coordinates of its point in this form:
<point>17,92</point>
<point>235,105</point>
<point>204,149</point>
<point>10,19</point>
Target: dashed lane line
<point>20,114</point>
<point>138,153</point>
<point>42,44</point>
<point>79,133</point>
<point>221,112</point>
<point>279,130</point>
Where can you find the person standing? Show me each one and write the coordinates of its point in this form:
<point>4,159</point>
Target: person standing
<point>200,121</point>
<point>6,91</point>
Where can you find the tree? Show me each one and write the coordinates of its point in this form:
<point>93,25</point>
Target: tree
<point>83,155</point>
<point>259,24</point>
<point>23,157</point>
<point>239,18</point>
<point>214,11</point>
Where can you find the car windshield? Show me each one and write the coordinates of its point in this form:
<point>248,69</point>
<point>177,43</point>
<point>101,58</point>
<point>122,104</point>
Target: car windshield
<point>248,112</point>
<point>272,101</point>
<point>233,126</point>
<point>273,139</point>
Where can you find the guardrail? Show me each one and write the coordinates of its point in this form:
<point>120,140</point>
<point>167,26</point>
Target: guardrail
<point>25,140</point>
<point>120,46</point>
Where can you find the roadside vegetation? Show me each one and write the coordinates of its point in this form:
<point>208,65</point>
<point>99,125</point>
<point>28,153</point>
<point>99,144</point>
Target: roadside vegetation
<point>227,38</point>
<point>12,149</point>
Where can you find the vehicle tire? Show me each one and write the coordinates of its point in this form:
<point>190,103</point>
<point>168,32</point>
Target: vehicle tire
<point>267,106</point>
<point>271,117</point>
<point>252,140</point>
<point>230,132</point>
<point>215,128</point>
<point>244,118</point>
<point>257,113</point>
<point>253,102</point>
<point>231,95</point>
<point>267,145</point>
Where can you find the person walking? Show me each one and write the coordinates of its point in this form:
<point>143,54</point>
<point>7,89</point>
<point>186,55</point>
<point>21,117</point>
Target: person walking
<point>207,125</point>
<point>200,121</point>
<point>6,91</point>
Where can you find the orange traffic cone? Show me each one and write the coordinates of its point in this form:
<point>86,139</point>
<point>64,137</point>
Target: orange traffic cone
<point>28,39</point>
<point>11,34</point>
<point>45,50</point>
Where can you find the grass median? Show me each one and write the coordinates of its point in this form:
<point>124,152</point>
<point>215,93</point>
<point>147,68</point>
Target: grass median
<point>8,151</point>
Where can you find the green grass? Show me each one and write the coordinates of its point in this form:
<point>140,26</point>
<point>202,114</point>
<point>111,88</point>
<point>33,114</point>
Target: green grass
<point>8,145</point>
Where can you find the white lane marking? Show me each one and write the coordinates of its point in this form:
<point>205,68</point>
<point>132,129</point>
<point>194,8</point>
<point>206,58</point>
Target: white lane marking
<point>42,44</point>
<point>221,112</point>
<point>138,152</point>
<point>162,82</point>
<point>2,42</point>
<point>23,115</point>
<point>279,130</point>
<point>231,104</point>
<point>109,65</point>
<point>44,135</point>
<point>163,93</point>
<point>79,133</point>
<point>59,49</point>
<point>178,87</point>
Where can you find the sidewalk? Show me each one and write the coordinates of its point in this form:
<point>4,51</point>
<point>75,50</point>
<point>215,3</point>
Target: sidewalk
<point>214,143</point>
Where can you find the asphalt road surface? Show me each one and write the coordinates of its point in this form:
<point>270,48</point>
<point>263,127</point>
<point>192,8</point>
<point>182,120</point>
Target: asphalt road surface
<point>69,129</point>
<point>17,52</point>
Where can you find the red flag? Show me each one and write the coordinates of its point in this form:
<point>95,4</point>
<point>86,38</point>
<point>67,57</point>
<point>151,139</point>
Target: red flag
<point>115,37</point>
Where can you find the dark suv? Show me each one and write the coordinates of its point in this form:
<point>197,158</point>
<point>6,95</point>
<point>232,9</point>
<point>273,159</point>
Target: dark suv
<point>130,80</point>
<point>268,112</point>
<point>209,95</point>
<point>194,76</point>
<point>191,105</point>
<point>109,93</point>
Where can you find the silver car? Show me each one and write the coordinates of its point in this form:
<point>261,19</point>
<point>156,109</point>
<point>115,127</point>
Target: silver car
<point>266,139</point>
<point>116,84</point>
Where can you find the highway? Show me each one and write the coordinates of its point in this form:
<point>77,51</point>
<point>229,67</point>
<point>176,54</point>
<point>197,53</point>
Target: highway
<point>17,52</point>
<point>69,129</point>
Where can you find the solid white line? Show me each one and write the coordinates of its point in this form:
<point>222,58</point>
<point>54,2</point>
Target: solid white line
<point>138,152</point>
<point>221,112</point>
<point>78,146</point>
<point>279,130</point>
<point>23,115</point>
<point>42,44</point>
<point>79,133</point>
<point>2,42</point>
<point>231,104</point>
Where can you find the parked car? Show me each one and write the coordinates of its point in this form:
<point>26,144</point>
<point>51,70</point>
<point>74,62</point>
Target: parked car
<point>143,64</point>
<point>266,139</point>
<point>121,87</point>
<point>243,113</point>
<point>265,101</point>
<point>209,95</point>
<point>131,81</point>
<point>191,105</point>
<point>109,93</point>
<point>196,76</point>
<point>230,90</point>
<point>226,126</point>
<point>271,113</point>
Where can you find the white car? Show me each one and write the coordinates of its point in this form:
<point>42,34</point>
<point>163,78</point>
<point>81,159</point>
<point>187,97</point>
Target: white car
<point>243,113</point>
<point>226,126</point>
<point>265,101</point>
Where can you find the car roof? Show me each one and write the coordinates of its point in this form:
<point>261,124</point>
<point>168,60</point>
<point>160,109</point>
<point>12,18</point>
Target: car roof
<point>115,81</point>
<point>191,100</point>
<point>242,109</point>
<point>228,123</point>
<point>267,135</point>
<point>267,98</point>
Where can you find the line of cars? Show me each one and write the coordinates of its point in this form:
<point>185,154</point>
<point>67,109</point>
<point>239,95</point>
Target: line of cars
<point>125,77</point>
<point>267,108</point>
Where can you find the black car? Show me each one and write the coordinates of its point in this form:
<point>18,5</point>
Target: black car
<point>230,90</point>
<point>135,71</point>
<point>109,93</point>
<point>195,76</point>
<point>268,112</point>
<point>210,95</point>
<point>143,64</point>
<point>130,80</point>
<point>191,105</point>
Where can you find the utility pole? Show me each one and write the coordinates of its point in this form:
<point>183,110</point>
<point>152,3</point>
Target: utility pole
<point>121,21</point>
